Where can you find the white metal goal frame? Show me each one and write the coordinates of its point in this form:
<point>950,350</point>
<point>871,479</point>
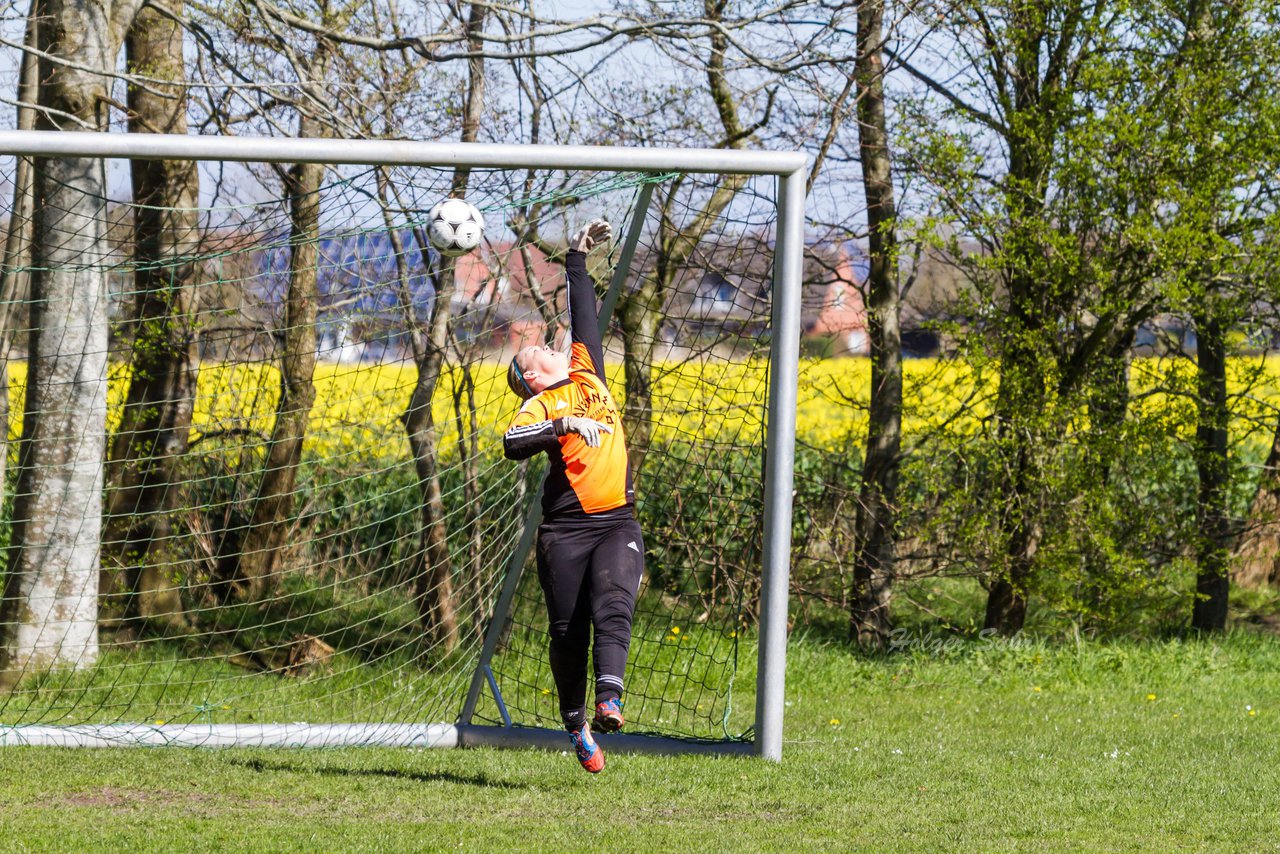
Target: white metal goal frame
<point>780,434</point>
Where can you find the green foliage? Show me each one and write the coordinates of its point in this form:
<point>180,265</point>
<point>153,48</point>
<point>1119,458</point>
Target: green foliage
<point>1094,167</point>
<point>818,346</point>
<point>701,514</point>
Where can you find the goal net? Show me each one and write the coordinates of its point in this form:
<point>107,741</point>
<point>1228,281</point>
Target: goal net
<point>254,490</point>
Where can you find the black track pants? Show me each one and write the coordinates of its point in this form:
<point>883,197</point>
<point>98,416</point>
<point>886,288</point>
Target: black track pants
<point>590,571</point>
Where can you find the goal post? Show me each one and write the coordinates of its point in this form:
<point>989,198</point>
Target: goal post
<point>36,716</point>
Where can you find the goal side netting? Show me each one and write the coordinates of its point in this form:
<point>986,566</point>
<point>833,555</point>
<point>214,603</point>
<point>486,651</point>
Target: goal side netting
<point>254,490</point>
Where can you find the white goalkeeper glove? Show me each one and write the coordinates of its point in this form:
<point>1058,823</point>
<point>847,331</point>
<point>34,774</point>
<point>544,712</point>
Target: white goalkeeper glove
<point>590,236</point>
<point>588,428</point>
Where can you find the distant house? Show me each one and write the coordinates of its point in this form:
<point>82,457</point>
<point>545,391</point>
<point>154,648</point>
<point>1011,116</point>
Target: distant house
<point>336,342</point>
<point>496,292</point>
<point>363,287</point>
<point>728,292</point>
<point>833,306</point>
<point>724,302</point>
<point>721,296</point>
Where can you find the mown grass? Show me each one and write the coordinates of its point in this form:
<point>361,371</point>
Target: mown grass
<point>946,744</point>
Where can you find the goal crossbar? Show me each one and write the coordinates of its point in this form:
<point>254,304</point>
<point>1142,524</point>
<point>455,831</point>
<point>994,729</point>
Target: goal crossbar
<point>378,152</point>
<point>789,169</point>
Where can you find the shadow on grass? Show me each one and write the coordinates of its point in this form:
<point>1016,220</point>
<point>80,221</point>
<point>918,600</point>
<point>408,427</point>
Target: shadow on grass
<point>263,766</point>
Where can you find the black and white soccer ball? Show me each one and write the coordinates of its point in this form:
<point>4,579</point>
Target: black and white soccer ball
<point>455,227</point>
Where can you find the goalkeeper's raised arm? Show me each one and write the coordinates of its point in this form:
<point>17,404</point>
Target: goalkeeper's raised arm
<point>584,322</point>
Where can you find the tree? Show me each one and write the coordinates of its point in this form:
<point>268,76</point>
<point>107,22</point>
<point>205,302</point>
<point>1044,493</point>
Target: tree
<point>430,340</point>
<point>641,309</point>
<point>248,557</point>
<point>15,273</point>
<point>1041,167</point>
<point>1034,98</point>
<point>874,548</point>
<point>1221,226</point>
<point>144,474</point>
<point>433,569</point>
<point>49,612</point>
<point>249,554</point>
<point>433,572</point>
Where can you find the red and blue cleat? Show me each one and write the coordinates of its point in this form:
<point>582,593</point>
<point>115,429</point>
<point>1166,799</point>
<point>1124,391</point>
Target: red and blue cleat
<point>590,754</point>
<point>609,716</point>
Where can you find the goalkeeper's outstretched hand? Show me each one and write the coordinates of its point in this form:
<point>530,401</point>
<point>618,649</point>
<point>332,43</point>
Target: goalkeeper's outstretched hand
<point>589,429</point>
<point>590,236</point>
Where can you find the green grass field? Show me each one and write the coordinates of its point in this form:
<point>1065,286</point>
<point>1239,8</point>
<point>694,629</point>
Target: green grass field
<point>941,745</point>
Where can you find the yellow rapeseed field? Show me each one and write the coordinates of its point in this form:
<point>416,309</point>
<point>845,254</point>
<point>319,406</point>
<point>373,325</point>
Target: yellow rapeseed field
<point>358,407</point>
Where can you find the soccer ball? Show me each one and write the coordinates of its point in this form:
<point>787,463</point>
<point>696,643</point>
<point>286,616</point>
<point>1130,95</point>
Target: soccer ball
<point>455,227</point>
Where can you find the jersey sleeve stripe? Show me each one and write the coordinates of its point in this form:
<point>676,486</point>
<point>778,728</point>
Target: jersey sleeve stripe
<point>529,428</point>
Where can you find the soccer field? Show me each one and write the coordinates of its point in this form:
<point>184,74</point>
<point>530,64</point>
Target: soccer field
<point>973,746</point>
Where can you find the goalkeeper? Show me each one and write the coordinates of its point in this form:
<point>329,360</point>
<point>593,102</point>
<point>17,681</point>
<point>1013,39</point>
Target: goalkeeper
<point>590,554</point>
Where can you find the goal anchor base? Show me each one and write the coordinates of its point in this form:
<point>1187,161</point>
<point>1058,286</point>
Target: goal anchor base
<point>558,739</point>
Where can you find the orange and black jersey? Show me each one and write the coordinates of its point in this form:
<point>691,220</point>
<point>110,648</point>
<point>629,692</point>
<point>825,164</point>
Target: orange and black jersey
<point>582,480</point>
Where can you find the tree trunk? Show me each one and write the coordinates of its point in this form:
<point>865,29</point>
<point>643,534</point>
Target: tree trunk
<point>1257,558</point>
<point>1108,402</point>
<point>473,107</point>
<point>465,422</point>
<point>143,475</point>
<point>1023,341</point>
<point>1212,549</point>
<point>874,550</point>
<point>15,274</point>
<point>1007,599</point>
<point>641,312</point>
<point>48,616</point>
<point>432,570</point>
<point>468,429</point>
<point>248,557</point>
<point>1019,404</point>
<point>433,573</point>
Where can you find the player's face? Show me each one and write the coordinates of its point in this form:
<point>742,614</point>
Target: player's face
<point>545,360</point>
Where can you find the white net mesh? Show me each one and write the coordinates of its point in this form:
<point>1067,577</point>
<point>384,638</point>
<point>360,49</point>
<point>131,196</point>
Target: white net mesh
<point>304,513</point>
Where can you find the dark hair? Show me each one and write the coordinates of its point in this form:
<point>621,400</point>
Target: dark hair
<point>516,381</point>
